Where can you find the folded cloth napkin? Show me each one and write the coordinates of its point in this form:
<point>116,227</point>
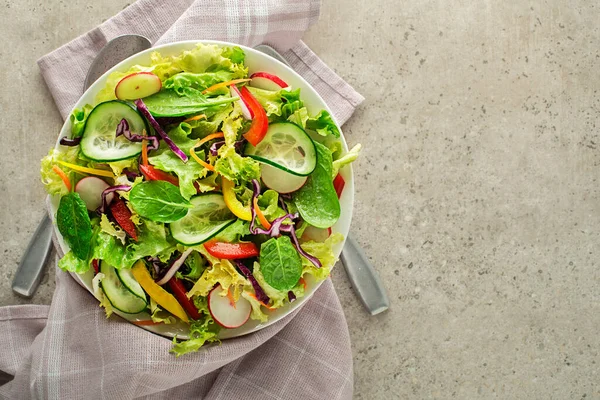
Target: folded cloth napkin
<point>69,350</point>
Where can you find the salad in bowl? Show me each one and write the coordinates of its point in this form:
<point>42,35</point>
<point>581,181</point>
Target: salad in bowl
<point>197,193</point>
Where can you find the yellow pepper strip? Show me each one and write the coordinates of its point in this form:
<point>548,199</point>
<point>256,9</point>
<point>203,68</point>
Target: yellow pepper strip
<point>93,171</point>
<point>224,84</point>
<point>261,217</point>
<point>200,143</point>
<point>234,205</point>
<point>195,118</point>
<point>163,298</point>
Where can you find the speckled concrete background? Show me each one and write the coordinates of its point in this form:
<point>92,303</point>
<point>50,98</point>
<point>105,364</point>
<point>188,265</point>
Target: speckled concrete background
<point>477,195</point>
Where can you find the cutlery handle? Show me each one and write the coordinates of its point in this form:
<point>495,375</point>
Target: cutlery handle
<point>31,268</point>
<point>364,278</point>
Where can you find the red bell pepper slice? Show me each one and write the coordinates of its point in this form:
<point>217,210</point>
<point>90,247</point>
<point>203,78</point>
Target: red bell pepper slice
<point>231,251</point>
<point>153,174</point>
<point>338,185</point>
<point>260,122</point>
<point>181,295</point>
<point>122,215</point>
<point>95,265</point>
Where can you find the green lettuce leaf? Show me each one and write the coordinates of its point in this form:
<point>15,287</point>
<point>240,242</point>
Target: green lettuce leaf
<point>186,83</point>
<point>108,227</point>
<point>159,315</point>
<point>234,232</point>
<point>152,241</point>
<point>201,331</point>
<point>257,313</point>
<point>71,263</point>
<point>324,252</point>
<point>268,202</point>
<point>278,297</point>
<point>323,124</point>
<point>52,182</point>
<point>347,158</point>
<point>118,166</point>
<point>221,272</point>
<point>78,118</point>
<point>187,173</point>
<point>193,267</point>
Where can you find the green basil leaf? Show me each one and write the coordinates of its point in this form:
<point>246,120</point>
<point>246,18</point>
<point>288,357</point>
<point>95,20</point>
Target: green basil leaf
<point>317,201</point>
<point>167,103</point>
<point>280,263</point>
<point>74,224</point>
<point>158,201</point>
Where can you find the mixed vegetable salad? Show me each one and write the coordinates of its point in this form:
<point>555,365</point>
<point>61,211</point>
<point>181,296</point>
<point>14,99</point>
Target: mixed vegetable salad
<point>198,193</point>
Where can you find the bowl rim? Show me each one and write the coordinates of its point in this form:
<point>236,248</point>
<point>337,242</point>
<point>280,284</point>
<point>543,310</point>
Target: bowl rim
<point>347,172</point>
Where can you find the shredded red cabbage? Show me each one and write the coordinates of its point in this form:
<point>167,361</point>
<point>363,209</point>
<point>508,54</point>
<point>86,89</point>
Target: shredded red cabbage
<point>174,267</point>
<point>123,129</point>
<point>109,190</point>
<point>144,110</point>
<point>130,174</point>
<point>258,291</point>
<point>291,296</point>
<point>277,226</point>
<point>156,264</point>
<point>65,141</point>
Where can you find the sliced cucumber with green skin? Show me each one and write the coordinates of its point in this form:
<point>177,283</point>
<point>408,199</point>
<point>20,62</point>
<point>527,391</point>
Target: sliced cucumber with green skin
<point>99,141</point>
<point>119,295</point>
<point>127,279</point>
<point>208,216</point>
<point>288,147</point>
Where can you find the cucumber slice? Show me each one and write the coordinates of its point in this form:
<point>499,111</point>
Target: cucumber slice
<point>99,141</point>
<point>119,296</point>
<point>208,216</point>
<point>127,279</point>
<point>288,147</point>
<point>280,180</point>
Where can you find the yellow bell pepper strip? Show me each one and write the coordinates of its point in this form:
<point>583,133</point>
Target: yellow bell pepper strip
<point>163,298</point>
<point>195,118</point>
<point>224,84</point>
<point>261,217</point>
<point>63,176</point>
<point>234,205</point>
<point>93,171</point>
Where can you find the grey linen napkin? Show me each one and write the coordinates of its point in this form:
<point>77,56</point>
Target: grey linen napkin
<point>69,350</point>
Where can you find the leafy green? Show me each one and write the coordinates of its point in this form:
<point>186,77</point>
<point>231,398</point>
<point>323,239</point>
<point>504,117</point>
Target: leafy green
<point>324,252</point>
<point>221,272</point>
<point>268,202</point>
<point>187,172</point>
<point>118,166</point>
<point>201,331</point>
<point>78,118</point>
<point>281,265</point>
<point>347,158</point>
<point>152,241</point>
<point>70,262</point>
<point>235,54</point>
<point>194,265</point>
<point>278,297</point>
<point>168,103</point>
<point>74,224</point>
<point>109,249</point>
<point>230,164</point>
<point>279,104</point>
<point>51,180</point>
<point>323,124</point>
<point>109,228</point>
<point>318,189</point>
<point>186,83</point>
<point>159,315</point>
<point>234,232</point>
<point>158,201</point>
<point>257,314</point>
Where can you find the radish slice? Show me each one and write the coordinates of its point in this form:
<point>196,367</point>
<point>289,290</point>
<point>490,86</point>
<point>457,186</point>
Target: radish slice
<point>138,85</point>
<point>279,180</point>
<point>316,234</point>
<point>226,314</point>
<point>246,112</point>
<point>264,80</point>
<point>90,190</point>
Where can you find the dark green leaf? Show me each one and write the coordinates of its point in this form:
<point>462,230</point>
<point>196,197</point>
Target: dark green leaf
<point>74,224</point>
<point>167,103</point>
<point>158,201</point>
<point>317,201</point>
<point>280,263</point>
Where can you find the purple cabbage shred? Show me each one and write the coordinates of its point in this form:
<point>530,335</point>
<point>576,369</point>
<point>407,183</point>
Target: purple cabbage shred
<point>65,141</point>
<point>258,291</point>
<point>291,296</point>
<point>106,192</point>
<point>123,129</point>
<point>146,113</point>
<point>239,146</point>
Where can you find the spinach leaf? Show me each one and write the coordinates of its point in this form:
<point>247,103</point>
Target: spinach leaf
<point>158,201</point>
<point>317,201</point>
<point>280,263</point>
<point>74,224</point>
<point>167,103</point>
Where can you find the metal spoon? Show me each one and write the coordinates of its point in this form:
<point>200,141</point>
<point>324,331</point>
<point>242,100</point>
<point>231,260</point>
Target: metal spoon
<point>362,275</point>
<point>31,267</point>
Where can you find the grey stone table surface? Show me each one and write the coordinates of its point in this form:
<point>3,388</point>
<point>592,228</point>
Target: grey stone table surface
<point>476,194</point>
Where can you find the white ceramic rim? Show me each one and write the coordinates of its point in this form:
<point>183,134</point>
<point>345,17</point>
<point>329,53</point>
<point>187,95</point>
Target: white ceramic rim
<point>314,103</point>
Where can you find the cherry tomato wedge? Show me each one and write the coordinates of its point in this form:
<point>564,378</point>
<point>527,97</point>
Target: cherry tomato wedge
<point>122,215</point>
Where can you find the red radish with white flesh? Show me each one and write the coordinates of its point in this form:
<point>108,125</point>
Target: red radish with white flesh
<point>317,234</point>
<point>279,180</point>
<point>226,314</point>
<point>90,190</point>
<point>267,81</point>
<point>246,112</point>
<point>137,86</point>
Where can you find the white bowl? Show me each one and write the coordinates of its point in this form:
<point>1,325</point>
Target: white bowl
<point>255,61</point>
